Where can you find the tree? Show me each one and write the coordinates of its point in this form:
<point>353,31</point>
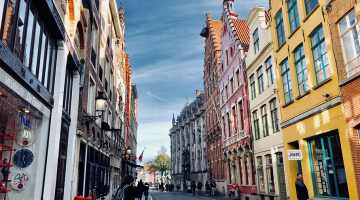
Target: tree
<point>161,163</point>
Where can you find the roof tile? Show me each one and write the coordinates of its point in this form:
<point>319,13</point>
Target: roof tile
<point>242,30</point>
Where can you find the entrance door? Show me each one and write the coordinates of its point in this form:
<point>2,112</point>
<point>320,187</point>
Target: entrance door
<point>281,175</point>
<point>61,170</point>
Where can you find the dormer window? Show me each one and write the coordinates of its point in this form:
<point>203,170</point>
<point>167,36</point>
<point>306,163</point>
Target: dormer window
<point>230,6</point>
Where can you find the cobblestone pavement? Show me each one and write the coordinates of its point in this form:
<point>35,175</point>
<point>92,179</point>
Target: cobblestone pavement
<point>154,195</point>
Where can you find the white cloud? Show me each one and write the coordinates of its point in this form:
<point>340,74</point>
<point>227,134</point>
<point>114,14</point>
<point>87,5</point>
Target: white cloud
<point>149,93</point>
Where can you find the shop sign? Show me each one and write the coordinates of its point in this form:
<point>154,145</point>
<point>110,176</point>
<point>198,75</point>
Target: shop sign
<point>21,91</point>
<point>295,155</point>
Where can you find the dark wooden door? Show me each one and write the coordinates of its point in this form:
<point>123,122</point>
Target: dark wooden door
<point>282,183</point>
<point>61,170</point>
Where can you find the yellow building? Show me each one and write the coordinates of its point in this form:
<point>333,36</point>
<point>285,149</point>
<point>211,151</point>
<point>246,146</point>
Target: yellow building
<point>312,114</point>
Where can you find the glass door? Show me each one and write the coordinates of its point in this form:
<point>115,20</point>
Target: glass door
<point>327,166</point>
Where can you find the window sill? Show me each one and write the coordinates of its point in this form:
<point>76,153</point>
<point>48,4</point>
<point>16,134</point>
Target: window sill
<point>313,10</point>
<point>350,79</point>
<point>287,104</point>
<point>280,47</point>
<point>322,83</point>
<point>294,32</point>
<point>301,96</point>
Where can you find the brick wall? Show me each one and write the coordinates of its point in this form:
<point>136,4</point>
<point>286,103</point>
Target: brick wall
<point>351,91</point>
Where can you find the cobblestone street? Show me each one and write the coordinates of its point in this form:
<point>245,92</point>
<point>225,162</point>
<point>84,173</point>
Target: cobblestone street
<point>154,195</point>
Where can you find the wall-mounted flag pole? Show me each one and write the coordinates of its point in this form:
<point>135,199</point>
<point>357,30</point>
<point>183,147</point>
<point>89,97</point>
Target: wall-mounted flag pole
<point>141,156</point>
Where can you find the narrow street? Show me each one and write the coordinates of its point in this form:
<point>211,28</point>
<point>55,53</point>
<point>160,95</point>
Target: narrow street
<point>155,195</point>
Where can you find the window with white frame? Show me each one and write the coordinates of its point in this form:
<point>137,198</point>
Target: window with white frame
<point>270,71</point>
<point>260,173</point>
<point>256,40</point>
<point>349,34</point>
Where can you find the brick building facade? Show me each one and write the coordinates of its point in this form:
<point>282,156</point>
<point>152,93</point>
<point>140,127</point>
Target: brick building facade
<point>343,17</point>
<point>212,35</point>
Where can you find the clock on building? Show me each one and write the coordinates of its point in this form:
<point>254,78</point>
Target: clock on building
<point>23,158</point>
<point>25,137</point>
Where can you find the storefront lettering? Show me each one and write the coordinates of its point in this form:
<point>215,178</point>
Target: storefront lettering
<point>27,122</point>
<point>14,86</point>
<point>19,90</point>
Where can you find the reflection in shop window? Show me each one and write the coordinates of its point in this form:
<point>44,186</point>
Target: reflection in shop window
<point>260,171</point>
<point>270,174</point>
<point>327,166</point>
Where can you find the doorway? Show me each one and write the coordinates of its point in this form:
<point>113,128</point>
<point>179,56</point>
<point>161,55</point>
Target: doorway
<point>281,176</point>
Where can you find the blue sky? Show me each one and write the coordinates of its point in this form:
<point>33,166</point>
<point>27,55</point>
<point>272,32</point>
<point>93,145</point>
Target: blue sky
<point>167,56</point>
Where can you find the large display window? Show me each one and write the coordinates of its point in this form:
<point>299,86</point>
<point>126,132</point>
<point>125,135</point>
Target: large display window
<point>24,133</point>
<point>327,166</point>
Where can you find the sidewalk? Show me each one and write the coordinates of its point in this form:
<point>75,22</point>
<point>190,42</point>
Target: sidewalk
<point>207,196</point>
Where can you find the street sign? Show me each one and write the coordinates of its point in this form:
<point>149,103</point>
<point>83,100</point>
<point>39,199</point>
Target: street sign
<point>132,157</point>
<point>295,155</point>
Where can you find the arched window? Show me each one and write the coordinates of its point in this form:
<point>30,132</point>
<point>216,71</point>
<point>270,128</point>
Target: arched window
<point>231,52</point>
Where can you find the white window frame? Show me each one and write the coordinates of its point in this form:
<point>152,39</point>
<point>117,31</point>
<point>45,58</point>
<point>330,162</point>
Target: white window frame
<point>342,40</point>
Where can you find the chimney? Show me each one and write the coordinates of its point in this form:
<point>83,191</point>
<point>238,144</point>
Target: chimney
<point>197,92</point>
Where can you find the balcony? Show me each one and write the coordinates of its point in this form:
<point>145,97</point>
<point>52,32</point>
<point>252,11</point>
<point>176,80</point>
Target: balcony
<point>353,66</point>
<point>93,57</point>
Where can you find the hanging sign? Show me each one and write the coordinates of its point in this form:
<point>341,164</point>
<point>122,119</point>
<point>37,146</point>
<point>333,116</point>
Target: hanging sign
<point>295,155</point>
<point>20,180</point>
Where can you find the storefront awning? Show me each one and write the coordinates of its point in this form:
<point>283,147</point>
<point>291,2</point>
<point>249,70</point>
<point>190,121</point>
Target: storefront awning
<point>132,164</point>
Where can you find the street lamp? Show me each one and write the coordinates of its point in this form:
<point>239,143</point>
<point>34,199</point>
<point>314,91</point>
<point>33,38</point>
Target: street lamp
<point>100,102</point>
<point>128,151</point>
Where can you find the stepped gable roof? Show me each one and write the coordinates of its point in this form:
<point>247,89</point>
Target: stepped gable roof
<point>218,31</point>
<point>267,16</point>
<point>242,30</point>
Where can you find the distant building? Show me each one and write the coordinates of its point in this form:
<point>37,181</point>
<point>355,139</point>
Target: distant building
<point>188,145</point>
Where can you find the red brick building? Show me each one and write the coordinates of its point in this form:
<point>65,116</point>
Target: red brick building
<point>343,17</point>
<point>212,35</point>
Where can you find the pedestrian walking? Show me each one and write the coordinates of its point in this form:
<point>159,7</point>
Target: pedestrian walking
<point>178,187</point>
<point>199,186</point>
<point>146,190</point>
<point>213,188</point>
<point>127,190</point>
<point>207,188</point>
<point>193,187</point>
<point>140,186</point>
<point>301,190</point>
<point>162,186</point>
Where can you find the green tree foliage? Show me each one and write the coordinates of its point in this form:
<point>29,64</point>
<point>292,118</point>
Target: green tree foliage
<point>161,163</point>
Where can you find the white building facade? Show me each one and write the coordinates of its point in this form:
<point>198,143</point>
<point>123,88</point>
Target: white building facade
<point>264,108</point>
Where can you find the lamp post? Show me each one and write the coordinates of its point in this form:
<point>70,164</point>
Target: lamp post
<point>100,104</point>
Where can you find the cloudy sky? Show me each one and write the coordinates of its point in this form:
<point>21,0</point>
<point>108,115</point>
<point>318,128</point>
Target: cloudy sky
<point>167,56</point>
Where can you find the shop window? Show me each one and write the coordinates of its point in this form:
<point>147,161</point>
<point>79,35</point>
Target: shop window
<point>310,5</point>
<point>68,90</point>
<point>26,34</point>
<point>252,87</point>
<point>61,167</point>
<point>270,174</point>
<point>260,173</point>
<point>270,71</point>
<point>301,70</point>
<point>293,15</point>
<point>349,34</point>
<point>286,80</point>
<point>81,169</point>
<point>327,166</point>
<point>256,41</point>
<point>264,121</point>
<point>260,80</point>
<point>279,25</point>
<point>256,125</point>
<point>274,117</point>
<point>30,127</point>
<point>321,60</point>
